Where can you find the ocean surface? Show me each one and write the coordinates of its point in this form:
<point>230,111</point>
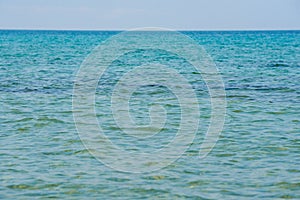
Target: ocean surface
<point>256,157</point>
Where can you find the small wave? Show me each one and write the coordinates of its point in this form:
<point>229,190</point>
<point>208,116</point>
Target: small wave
<point>257,88</point>
<point>277,64</point>
<point>47,119</point>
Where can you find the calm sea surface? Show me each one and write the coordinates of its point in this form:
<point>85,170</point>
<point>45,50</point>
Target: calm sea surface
<point>256,157</point>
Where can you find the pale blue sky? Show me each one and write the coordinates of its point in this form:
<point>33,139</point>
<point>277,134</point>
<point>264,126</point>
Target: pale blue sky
<point>126,14</point>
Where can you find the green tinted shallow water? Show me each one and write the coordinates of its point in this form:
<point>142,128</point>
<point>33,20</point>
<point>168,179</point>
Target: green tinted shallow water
<point>257,156</point>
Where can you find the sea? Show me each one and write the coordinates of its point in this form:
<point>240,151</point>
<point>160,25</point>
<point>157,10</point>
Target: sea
<point>257,154</point>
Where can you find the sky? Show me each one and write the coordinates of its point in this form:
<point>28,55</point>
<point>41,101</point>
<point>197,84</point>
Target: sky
<point>129,14</point>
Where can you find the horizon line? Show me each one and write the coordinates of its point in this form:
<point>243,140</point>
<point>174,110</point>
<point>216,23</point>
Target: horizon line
<point>75,29</point>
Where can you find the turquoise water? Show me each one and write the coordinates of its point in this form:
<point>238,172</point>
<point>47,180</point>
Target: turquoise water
<point>256,157</point>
